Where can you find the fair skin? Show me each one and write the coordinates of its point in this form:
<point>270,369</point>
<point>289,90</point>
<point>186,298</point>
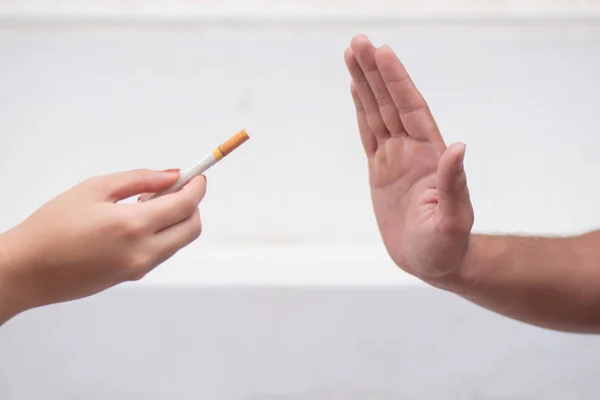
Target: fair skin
<point>87,240</point>
<point>423,209</point>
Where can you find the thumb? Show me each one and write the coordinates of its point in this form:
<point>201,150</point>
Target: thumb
<point>121,185</point>
<point>453,193</point>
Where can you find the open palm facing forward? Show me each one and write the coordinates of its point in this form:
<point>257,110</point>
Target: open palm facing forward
<point>418,185</point>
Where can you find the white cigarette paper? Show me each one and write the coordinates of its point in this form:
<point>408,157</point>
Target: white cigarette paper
<point>208,161</point>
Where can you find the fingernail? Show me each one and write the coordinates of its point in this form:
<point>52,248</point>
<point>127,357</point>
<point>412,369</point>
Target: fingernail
<point>171,170</point>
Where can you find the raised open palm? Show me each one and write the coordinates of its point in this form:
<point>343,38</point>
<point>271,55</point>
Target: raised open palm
<point>418,185</point>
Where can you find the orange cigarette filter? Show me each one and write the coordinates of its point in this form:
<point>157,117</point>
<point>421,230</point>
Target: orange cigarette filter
<point>230,144</point>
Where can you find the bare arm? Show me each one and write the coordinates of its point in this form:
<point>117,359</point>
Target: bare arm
<point>550,282</point>
<point>55,255</point>
<point>8,306</point>
<point>424,212</point>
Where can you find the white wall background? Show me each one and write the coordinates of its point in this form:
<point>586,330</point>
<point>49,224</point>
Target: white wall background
<point>97,86</point>
<point>163,9</point>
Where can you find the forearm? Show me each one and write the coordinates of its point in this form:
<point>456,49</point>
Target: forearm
<point>7,311</point>
<point>9,304</point>
<point>550,282</point>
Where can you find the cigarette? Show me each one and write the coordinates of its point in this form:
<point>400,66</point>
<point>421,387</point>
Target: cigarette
<point>211,159</point>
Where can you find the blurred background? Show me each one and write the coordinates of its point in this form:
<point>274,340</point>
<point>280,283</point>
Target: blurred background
<point>289,293</point>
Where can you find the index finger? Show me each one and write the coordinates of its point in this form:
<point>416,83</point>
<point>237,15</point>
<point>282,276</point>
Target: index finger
<point>173,208</point>
<point>412,107</point>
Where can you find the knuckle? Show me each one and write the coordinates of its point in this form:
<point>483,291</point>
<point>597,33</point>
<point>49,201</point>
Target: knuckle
<point>382,97</point>
<point>137,265</point>
<point>130,226</point>
<point>141,172</point>
<point>136,175</point>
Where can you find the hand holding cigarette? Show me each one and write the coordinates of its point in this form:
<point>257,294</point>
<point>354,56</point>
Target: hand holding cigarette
<point>85,240</point>
<point>55,255</point>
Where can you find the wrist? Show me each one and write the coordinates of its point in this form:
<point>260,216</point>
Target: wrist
<point>484,255</point>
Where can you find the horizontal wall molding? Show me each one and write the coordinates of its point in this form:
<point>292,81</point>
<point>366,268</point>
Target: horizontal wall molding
<point>511,24</point>
<point>297,10</point>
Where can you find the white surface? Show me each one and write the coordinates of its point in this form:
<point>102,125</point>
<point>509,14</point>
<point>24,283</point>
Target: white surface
<point>299,343</point>
<point>79,100</point>
<point>283,265</point>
